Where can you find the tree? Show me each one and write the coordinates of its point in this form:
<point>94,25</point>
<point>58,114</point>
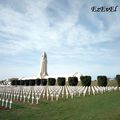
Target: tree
<point>51,81</point>
<point>18,82</point>
<point>27,82</point>
<point>102,81</point>
<point>31,82</point>
<point>61,81</point>
<point>44,82</point>
<point>13,81</point>
<point>85,80</point>
<point>22,82</point>
<point>118,80</point>
<point>73,81</point>
<point>38,81</point>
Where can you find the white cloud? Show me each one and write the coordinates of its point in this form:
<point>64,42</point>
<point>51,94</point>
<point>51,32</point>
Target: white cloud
<point>32,29</point>
<point>61,33</point>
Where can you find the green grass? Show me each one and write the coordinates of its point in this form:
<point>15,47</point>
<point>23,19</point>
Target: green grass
<point>99,107</point>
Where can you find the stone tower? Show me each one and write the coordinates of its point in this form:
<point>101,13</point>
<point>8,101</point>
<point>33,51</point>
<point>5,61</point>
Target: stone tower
<point>43,65</point>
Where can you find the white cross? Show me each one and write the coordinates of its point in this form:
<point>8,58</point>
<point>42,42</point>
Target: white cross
<point>3,102</point>
<point>24,98</point>
<point>37,100</point>
<point>57,96</point>
<point>32,99</point>
<point>10,104</point>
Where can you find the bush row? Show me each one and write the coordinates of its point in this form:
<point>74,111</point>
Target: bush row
<point>30,82</point>
<point>61,81</point>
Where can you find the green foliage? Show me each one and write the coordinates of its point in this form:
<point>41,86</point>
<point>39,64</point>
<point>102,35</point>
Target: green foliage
<point>31,82</point>
<point>27,82</point>
<point>38,81</point>
<point>18,82</point>
<point>118,80</point>
<point>22,82</point>
<point>13,81</point>
<point>51,81</point>
<point>85,80</point>
<point>44,82</point>
<point>61,81</point>
<point>73,81</point>
<point>102,81</point>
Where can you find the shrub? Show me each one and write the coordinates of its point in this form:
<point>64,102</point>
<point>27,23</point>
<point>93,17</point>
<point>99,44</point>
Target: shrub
<point>118,80</point>
<point>73,81</point>
<point>27,82</point>
<point>44,82</point>
<point>13,81</point>
<point>61,81</point>
<point>102,81</point>
<point>38,81</point>
<point>85,80</point>
<point>32,82</point>
<point>18,82</point>
<point>22,82</point>
<point>51,81</point>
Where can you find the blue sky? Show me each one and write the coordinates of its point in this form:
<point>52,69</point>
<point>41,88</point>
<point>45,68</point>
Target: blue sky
<point>74,38</point>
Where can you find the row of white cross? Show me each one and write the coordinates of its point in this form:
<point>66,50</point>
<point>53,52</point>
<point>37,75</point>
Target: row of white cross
<point>33,94</point>
<point>5,103</point>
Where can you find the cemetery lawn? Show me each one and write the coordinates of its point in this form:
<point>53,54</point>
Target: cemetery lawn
<point>94,107</point>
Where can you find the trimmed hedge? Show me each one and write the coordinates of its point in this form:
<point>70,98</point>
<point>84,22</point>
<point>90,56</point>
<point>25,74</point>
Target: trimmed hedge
<point>118,80</point>
<point>85,80</point>
<point>32,82</point>
<point>61,81</point>
<point>18,82</point>
<point>27,82</point>
<point>38,81</point>
<point>102,81</point>
<point>22,82</point>
<point>44,82</point>
<point>73,81</point>
<point>51,81</point>
<point>14,82</point>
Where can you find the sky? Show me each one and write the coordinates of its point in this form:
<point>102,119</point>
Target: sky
<point>74,38</point>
